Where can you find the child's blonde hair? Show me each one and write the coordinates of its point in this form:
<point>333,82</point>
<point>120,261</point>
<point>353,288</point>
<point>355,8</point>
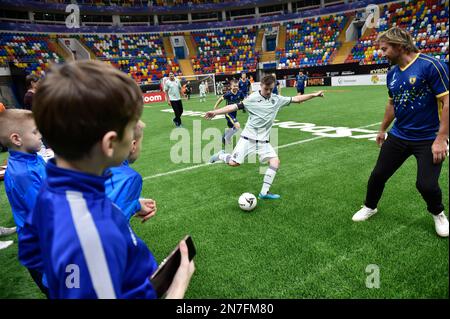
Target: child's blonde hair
<point>12,121</point>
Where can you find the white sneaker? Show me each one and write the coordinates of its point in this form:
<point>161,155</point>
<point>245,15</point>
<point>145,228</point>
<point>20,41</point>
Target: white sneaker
<point>7,231</point>
<point>215,157</point>
<point>364,213</point>
<point>5,244</point>
<point>441,224</point>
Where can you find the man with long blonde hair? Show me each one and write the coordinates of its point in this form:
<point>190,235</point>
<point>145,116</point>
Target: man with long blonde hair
<point>418,101</point>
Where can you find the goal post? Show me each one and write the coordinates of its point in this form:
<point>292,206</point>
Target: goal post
<point>195,81</point>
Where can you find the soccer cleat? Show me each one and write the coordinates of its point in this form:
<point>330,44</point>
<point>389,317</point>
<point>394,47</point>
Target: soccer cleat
<point>441,224</point>
<point>5,244</point>
<point>7,231</point>
<point>364,213</point>
<point>269,196</point>
<point>215,157</point>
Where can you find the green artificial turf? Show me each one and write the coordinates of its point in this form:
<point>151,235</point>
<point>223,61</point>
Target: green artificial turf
<point>302,246</point>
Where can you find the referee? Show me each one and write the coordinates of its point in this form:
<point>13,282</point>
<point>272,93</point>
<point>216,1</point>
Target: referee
<point>172,87</point>
<point>418,101</point>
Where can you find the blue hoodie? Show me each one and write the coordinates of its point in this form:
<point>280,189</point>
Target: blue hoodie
<point>82,242</point>
<point>124,187</point>
<point>24,177</point>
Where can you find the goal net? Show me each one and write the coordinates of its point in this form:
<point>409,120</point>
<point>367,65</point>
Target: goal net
<point>196,80</point>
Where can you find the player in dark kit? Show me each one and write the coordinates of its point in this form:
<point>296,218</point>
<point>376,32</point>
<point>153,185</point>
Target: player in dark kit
<point>244,86</point>
<point>300,82</point>
<point>233,96</point>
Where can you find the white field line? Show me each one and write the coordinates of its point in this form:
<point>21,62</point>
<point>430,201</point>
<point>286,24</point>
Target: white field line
<point>207,164</point>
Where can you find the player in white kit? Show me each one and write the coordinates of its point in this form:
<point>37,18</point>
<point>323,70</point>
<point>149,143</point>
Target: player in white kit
<point>262,107</point>
<point>202,89</point>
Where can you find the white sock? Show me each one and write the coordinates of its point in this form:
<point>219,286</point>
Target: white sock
<point>268,179</point>
<point>225,157</point>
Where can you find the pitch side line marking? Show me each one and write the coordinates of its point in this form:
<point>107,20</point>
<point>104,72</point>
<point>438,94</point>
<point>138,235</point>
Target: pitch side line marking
<point>207,164</point>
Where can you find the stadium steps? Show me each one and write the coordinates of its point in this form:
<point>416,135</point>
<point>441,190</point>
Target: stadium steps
<point>281,37</point>
<point>369,32</point>
<point>341,38</point>
<point>192,47</point>
<point>91,54</point>
<point>168,47</point>
<point>268,56</point>
<point>343,52</point>
<point>186,66</point>
<point>259,40</point>
<point>54,46</point>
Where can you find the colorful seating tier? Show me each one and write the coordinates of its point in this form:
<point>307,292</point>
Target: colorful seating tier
<point>140,55</point>
<point>227,51</point>
<point>31,52</point>
<point>311,42</point>
<point>137,3</point>
<point>427,21</point>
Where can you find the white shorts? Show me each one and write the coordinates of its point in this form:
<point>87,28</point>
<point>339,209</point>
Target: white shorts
<point>202,94</point>
<point>245,147</point>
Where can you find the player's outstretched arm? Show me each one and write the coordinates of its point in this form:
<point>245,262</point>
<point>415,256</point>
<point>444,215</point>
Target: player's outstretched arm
<point>306,97</point>
<point>224,110</point>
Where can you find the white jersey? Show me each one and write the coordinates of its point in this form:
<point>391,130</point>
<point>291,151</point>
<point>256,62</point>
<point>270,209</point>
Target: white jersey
<point>261,114</point>
<point>202,88</point>
<point>173,88</point>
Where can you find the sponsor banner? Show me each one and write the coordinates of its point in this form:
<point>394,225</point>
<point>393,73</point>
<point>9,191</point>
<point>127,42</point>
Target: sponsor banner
<point>369,79</point>
<point>324,81</point>
<point>153,97</point>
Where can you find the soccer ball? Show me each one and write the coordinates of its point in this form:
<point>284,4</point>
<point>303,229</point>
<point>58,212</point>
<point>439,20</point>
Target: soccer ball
<point>247,201</point>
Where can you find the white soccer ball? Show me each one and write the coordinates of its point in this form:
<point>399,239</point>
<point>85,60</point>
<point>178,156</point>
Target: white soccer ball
<point>247,201</point>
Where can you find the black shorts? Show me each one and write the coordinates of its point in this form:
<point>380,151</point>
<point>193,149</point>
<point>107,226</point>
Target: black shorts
<point>301,90</point>
<point>231,119</point>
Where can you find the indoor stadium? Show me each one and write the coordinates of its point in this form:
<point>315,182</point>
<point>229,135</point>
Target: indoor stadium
<point>253,149</point>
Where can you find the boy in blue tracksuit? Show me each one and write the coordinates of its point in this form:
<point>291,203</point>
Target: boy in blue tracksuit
<point>75,234</point>
<point>25,171</point>
<point>124,184</point>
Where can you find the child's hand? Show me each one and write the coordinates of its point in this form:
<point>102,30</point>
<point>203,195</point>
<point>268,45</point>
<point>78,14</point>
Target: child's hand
<point>148,209</point>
